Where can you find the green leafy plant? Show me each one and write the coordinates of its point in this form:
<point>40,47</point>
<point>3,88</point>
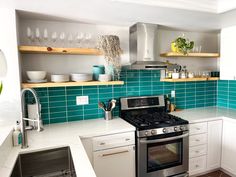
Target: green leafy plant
<point>1,86</point>
<point>184,45</point>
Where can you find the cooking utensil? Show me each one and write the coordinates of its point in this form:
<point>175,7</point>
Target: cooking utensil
<point>113,104</point>
<point>102,106</point>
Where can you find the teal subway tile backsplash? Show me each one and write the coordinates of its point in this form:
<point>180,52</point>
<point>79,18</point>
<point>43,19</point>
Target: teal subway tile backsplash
<point>59,104</point>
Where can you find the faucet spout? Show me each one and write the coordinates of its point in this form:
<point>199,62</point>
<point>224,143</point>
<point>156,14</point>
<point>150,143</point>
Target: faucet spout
<point>24,119</point>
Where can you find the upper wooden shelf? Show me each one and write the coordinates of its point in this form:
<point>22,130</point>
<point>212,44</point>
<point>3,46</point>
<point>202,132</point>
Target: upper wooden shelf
<point>55,50</point>
<point>200,55</point>
<point>70,84</point>
<point>191,79</point>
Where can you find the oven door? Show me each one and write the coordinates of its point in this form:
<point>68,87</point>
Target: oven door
<point>163,156</point>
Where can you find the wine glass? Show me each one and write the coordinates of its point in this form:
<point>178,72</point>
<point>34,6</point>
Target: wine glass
<point>70,40</point>
<point>88,37</point>
<point>79,39</point>
<point>30,35</point>
<point>45,36</point>
<point>37,35</point>
<point>54,38</point>
<point>62,38</point>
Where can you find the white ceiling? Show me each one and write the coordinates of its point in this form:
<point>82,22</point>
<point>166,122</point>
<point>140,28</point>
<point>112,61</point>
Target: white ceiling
<point>212,6</point>
<point>188,14</point>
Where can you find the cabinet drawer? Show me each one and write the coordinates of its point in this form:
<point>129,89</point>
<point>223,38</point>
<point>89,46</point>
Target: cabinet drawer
<point>197,151</point>
<point>197,165</point>
<point>111,141</point>
<point>198,128</point>
<point>195,140</point>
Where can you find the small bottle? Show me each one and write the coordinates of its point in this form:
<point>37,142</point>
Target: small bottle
<point>17,135</point>
<point>168,104</point>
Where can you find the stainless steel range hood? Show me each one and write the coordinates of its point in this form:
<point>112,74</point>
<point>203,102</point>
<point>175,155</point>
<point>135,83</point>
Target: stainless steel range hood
<point>143,47</point>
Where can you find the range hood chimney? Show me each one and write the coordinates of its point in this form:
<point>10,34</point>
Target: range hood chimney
<point>143,47</point>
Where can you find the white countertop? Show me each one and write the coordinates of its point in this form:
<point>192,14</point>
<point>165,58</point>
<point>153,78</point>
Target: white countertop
<point>68,134</point>
<point>205,114</point>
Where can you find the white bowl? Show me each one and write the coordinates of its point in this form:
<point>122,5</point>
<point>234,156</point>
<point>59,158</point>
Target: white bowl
<point>60,78</point>
<point>81,77</point>
<point>104,77</point>
<point>36,75</point>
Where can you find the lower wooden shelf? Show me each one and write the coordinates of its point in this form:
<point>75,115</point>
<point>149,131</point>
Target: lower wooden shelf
<point>70,84</point>
<point>191,79</point>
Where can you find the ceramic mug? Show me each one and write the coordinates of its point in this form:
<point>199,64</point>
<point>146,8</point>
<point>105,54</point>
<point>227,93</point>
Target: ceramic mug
<point>98,69</point>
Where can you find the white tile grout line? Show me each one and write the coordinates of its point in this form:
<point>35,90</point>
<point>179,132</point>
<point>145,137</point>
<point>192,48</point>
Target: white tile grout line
<point>83,105</point>
<point>139,82</point>
<point>228,95</point>
<point>49,117</point>
<point>98,97</point>
<point>67,120</point>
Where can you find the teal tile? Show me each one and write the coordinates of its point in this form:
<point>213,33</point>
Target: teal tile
<point>57,109</point>
<point>91,106</point>
<point>45,122</point>
<point>57,104</point>
<point>133,84</point>
<point>57,115</point>
<point>58,120</point>
<point>75,118</point>
<point>56,98</point>
<point>75,113</point>
<point>91,111</point>
<point>75,108</point>
<point>71,102</point>
<point>87,117</point>
<point>74,92</point>
<point>145,79</point>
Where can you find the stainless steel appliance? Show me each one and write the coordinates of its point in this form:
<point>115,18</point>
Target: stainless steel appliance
<point>143,47</point>
<point>162,139</point>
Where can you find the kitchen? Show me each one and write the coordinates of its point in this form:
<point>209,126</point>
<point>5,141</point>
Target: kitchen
<point>73,124</point>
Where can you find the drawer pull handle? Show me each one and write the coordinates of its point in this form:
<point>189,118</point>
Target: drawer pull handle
<point>197,151</point>
<point>198,128</point>
<point>196,166</point>
<point>102,144</point>
<point>127,139</point>
<point>197,140</point>
<point>114,153</point>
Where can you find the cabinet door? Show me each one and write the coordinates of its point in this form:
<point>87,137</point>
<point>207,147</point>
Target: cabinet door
<point>228,161</point>
<point>214,144</point>
<point>116,162</point>
<point>228,54</point>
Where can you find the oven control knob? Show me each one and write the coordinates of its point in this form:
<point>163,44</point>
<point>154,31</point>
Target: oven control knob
<point>146,133</point>
<point>182,128</point>
<point>176,129</point>
<point>153,132</point>
<point>164,130</point>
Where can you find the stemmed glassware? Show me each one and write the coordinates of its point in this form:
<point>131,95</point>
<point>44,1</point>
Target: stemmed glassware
<point>56,39</point>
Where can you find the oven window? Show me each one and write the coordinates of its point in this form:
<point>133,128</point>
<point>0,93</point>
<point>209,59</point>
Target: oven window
<point>164,155</point>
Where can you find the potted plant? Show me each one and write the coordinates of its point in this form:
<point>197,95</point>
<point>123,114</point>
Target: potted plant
<point>182,45</point>
<point>110,47</point>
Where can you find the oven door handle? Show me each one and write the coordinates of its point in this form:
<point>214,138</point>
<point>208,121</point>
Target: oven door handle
<point>163,139</point>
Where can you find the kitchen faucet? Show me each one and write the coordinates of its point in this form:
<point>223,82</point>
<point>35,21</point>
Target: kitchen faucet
<point>24,119</point>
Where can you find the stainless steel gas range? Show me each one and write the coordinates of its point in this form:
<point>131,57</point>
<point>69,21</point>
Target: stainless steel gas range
<point>161,139</point>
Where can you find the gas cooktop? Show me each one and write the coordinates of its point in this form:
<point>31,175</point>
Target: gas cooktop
<point>148,113</point>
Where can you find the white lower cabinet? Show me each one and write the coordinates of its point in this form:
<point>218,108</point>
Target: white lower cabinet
<point>204,146</point>
<point>112,155</point>
<point>214,133</point>
<point>117,162</point>
<point>228,161</point>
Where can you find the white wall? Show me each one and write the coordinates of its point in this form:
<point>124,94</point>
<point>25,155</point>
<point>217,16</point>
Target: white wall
<point>10,97</point>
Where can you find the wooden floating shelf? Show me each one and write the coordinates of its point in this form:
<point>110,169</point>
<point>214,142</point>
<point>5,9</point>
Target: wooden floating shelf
<point>70,84</point>
<point>191,79</point>
<point>55,50</point>
<point>200,55</point>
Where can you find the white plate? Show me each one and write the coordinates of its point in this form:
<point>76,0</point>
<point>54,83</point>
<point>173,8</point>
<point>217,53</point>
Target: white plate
<point>37,81</point>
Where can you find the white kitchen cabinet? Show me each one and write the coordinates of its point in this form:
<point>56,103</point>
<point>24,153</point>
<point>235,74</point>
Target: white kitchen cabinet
<point>228,54</point>
<point>205,146</point>
<point>214,134</point>
<point>228,161</point>
<point>112,155</point>
<point>116,162</point>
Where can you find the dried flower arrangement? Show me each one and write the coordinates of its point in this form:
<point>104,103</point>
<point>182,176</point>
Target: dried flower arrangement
<point>110,47</point>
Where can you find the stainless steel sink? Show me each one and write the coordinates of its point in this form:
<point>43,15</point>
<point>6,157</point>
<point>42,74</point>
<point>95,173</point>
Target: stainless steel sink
<point>49,163</point>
